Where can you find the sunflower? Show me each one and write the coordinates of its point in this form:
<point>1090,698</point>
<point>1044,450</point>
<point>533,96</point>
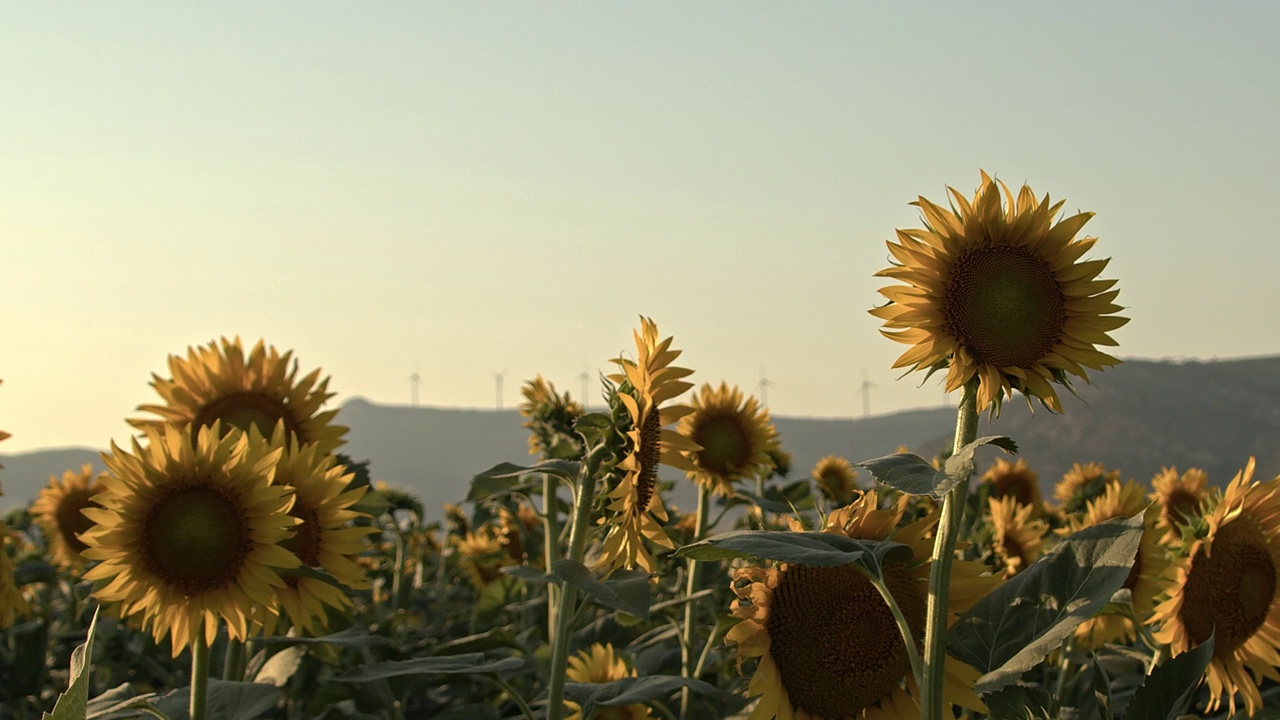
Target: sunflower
<point>324,539</point>
<point>551,417</point>
<point>781,460</point>
<point>1013,479</point>
<point>1181,498</point>
<point>12,603</point>
<point>994,291</point>
<point>835,478</point>
<point>1019,540</point>
<point>1228,586</point>
<point>57,511</point>
<point>736,436</point>
<point>484,554</point>
<point>218,382</point>
<point>188,533</point>
<point>1081,484</point>
<point>827,644</point>
<point>600,664</point>
<point>635,503</point>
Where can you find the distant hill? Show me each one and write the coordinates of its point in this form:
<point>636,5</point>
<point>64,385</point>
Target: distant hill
<point>1138,417</point>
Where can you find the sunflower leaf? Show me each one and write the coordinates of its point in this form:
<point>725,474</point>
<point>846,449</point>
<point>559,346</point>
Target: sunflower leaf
<point>1169,689</point>
<point>628,591</point>
<point>818,549</point>
<point>631,691</point>
<point>1019,702</point>
<point>227,700</point>
<point>907,472</point>
<point>506,478</point>
<point>468,664</point>
<point>1016,625</point>
<point>959,466</point>
<point>351,637</point>
<point>73,703</point>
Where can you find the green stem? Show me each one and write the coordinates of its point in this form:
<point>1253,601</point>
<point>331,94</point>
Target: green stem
<point>551,542</point>
<point>511,693</point>
<point>917,666</point>
<point>690,616</point>
<point>399,570</point>
<point>233,663</point>
<point>568,593</point>
<point>944,550</point>
<point>199,677</point>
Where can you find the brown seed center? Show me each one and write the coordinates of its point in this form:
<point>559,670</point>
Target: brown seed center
<point>1016,485</point>
<point>71,522</point>
<point>1181,505</point>
<point>244,410</point>
<point>725,446</point>
<point>649,454</point>
<point>1229,592</point>
<point>305,542</point>
<point>195,538</point>
<point>834,640</point>
<point>1004,305</point>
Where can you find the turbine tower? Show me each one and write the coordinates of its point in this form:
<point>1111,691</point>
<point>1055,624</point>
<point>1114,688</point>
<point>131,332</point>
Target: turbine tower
<point>497,383</point>
<point>584,377</point>
<point>763,388</point>
<point>865,391</point>
<point>414,379</point>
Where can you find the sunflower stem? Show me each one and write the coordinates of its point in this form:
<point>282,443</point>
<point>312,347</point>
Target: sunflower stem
<point>944,550</point>
<point>568,594</point>
<point>233,663</point>
<point>551,545</point>
<point>199,677</point>
<point>690,615</point>
<point>913,654</point>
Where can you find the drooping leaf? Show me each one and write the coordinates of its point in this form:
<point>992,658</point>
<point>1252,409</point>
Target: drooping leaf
<point>1168,691</point>
<point>73,704</point>
<point>1019,702</point>
<point>350,637</point>
<point>469,664</point>
<point>913,475</point>
<point>1012,629</point>
<point>280,667</point>
<point>226,701</point>
<point>631,691</point>
<point>960,465</point>
<point>507,478</point>
<point>626,590</point>
<point>818,549</point>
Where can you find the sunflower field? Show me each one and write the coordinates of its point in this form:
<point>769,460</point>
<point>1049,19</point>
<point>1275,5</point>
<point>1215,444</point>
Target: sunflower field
<point>232,563</point>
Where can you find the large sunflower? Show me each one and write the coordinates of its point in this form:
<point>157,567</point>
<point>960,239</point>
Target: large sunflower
<point>188,533</point>
<point>1228,586</point>
<point>218,382</point>
<point>600,664</point>
<point>1019,539</point>
<point>324,538</point>
<point>1013,479</point>
<point>1081,484</point>
<point>1181,498</point>
<point>635,503</point>
<point>836,479</point>
<point>57,511</point>
<point>995,290</point>
<point>827,644</point>
<point>736,436</point>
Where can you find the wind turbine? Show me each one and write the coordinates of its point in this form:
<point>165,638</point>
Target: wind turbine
<point>865,391</point>
<point>584,377</point>
<point>763,388</point>
<point>414,379</point>
<point>497,383</point>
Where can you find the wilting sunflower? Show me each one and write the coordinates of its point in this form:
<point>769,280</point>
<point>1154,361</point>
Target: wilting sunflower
<point>218,382</point>
<point>735,435</point>
<point>1181,498</point>
<point>1013,479</point>
<point>57,511</point>
<point>1081,484</point>
<point>635,503</point>
<point>835,478</point>
<point>1228,586</point>
<point>550,418</point>
<point>188,533</point>
<point>600,664</point>
<point>324,538</point>
<point>995,290</point>
<point>1019,539</point>
<point>827,644</point>
<point>12,603</point>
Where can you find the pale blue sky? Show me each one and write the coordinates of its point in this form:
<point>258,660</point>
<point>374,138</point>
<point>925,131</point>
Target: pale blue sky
<point>481,187</point>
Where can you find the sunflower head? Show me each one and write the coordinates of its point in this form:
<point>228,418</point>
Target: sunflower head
<point>189,533</point>
<point>634,505</point>
<point>735,435</point>
<point>1018,537</point>
<point>58,512</point>
<point>550,416</point>
<point>600,664</point>
<point>1013,479</point>
<point>218,382</point>
<point>483,555</point>
<point>826,643</point>
<point>995,289</point>
<point>836,479</point>
<point>1081,484</point>
<point>1228,586</point>
<point>1180,497</point>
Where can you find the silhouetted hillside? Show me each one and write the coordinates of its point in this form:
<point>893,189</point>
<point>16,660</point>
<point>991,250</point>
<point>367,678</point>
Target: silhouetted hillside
<point>1138,417</point>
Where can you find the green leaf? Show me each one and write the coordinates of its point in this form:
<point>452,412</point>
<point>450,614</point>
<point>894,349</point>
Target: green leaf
<point>817,549</point>
<point>913,475</point>
<point>594,428</point>
<point>1019,702</point>
<point>959,466</point>
<point>631,691</point>
<point>781,500</point>
<point>1011,630</point>
<point>351,637</point>
<point>507,478</point>
<point>528,574</point>
<point>626,590</point>
<point>495,639</point>
<point>1102,690</point>
<point>280,667</point>
<point>495,598</point>
<point>1169,689</point>
<point>73,704</point>
<point>225,701</point>
<point>469,664</point>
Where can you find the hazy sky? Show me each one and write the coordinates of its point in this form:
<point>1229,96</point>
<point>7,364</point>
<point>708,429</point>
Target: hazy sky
<point>472,188</point>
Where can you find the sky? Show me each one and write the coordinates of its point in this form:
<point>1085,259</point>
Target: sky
<point>474,188</point>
